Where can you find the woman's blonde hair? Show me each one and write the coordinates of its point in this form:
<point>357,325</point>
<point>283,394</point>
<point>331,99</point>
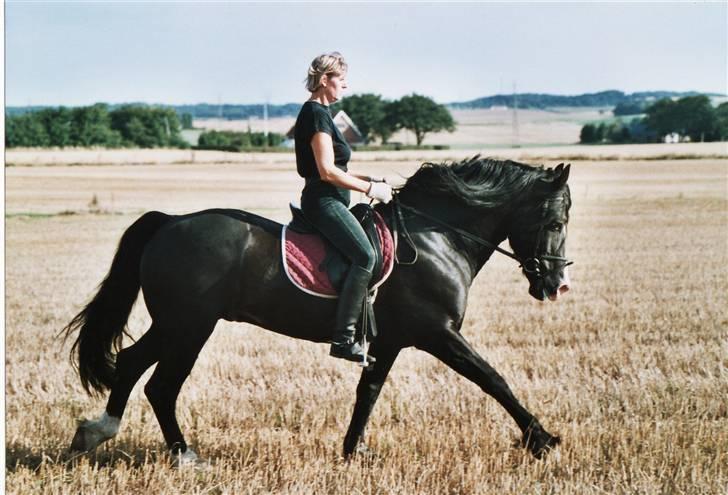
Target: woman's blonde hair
<point>324,64</point>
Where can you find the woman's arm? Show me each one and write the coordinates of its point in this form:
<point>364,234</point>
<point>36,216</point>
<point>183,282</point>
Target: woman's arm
<point>368,178</point>
<point>323,151</point>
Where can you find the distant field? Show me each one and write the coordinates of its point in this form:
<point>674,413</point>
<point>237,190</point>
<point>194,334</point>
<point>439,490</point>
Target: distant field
<point>631,367</point>
<point>475,128</point>
<point>24,157</point>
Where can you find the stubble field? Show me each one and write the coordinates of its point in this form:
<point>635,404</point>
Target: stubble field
<point>630,368</point>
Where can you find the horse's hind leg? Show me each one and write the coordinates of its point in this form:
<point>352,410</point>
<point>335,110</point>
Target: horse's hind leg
<point>164,386</point>
<point>131,363</point>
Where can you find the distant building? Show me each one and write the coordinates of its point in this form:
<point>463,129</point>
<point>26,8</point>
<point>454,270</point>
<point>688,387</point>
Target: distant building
<point>674,137</point>
<point>343,122</point>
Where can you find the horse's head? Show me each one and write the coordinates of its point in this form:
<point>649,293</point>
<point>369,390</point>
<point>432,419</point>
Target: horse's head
<point>537,234</point>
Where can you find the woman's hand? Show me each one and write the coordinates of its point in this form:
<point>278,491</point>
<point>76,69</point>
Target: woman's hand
<point>381,191</point>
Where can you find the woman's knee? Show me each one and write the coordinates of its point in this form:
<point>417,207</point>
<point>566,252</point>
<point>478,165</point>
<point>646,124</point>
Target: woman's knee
<point>366,259</point>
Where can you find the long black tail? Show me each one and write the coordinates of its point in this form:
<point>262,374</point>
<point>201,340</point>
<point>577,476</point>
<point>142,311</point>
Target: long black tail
<point>102,322</point>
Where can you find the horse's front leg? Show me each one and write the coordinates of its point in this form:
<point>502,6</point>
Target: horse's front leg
<point>452,349</point>
<point>367,392</point>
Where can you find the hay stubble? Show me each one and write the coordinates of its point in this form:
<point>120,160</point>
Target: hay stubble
<point>631,368</point>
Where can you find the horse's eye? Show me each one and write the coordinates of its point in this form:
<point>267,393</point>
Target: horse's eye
<point>556,227</point>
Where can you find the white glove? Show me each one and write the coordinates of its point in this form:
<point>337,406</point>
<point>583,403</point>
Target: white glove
<point>381,191</point>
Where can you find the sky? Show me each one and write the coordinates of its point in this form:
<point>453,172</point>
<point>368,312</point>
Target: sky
<point>72,53</point>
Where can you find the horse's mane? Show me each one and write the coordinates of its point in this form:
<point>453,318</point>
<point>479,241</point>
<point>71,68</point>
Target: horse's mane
<point>477,182</point>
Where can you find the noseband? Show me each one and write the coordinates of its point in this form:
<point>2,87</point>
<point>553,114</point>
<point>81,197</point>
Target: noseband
<point>533,265</point>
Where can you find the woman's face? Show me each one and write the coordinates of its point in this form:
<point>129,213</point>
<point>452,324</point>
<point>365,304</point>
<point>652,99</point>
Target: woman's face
<point>334,86</point>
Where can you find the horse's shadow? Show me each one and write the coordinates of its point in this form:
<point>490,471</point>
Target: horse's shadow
<point>19,455</point>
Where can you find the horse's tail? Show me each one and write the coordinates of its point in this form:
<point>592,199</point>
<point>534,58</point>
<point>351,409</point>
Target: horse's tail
<point>102,323</point>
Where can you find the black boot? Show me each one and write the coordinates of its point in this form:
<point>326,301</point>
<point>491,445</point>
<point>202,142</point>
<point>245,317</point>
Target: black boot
<point>351,300</point>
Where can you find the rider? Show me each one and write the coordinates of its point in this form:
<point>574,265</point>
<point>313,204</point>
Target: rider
<point>322,155</point>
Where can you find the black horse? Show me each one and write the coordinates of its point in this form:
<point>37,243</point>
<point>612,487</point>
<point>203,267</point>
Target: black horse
<point>198,268</point>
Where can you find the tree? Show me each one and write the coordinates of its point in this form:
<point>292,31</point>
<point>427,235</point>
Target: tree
<point>390,123</point>
<point>58,125</point>
<point>186,121</point>
<point>147,127</point>
<point>25,130</point>
<point>588,134</point>
<point>91,126</point>
<point>617,133</point>
<point>628,108</point>
<point>422,115</point>
<point>367,112</point>
<point>690,116</point>
<point>721,121</point>
<point>661,117</point>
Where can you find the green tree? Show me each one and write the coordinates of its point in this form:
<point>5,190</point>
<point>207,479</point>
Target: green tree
<point>147,127</point>
<point>367,112</point>
<point>91,126</point>
<point>58,124</point>
<point>721,122</point>
<point>617,133</point>
<point>390,123</point>
<point>661,117</point>
<point>588,134</point>
<point>628,108</point>
<point>691,116</point>
<point>422,115</point>
<point>186,121</point>
<point>25,131</point>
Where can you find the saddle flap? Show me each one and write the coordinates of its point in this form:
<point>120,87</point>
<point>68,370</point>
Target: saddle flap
<point>314,265</point>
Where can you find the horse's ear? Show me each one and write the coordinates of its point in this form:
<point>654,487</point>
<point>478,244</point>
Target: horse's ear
<point>558,168</point>
<point>563,176</point>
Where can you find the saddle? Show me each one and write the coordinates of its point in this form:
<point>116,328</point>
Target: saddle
<point>315,266</point>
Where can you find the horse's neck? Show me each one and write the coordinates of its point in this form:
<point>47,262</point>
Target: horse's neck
<point>485,224</point>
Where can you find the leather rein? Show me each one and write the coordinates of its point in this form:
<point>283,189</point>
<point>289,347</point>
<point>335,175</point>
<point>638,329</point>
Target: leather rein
<point>533,265</point>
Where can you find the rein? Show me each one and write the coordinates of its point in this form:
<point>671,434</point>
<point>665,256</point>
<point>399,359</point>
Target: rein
<point>533,264</point>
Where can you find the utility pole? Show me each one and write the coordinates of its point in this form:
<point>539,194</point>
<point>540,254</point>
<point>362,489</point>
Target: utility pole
<point>265,121</point>
<point>516,144</point>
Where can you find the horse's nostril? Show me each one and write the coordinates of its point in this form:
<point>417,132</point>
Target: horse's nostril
<point>563,289</point>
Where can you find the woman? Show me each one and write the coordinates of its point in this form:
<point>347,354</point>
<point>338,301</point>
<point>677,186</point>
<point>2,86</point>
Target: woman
<point>322,155</point>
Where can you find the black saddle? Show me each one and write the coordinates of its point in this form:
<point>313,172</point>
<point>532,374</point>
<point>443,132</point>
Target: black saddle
<point>336,263</point>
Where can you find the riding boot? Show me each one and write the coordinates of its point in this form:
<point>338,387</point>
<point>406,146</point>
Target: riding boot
<point>351,300</point>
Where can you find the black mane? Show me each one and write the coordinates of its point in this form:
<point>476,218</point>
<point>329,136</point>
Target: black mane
<point>477,182</point>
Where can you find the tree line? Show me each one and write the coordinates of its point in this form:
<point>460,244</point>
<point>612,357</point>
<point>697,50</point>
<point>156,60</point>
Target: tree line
<point>376,117</point>
<point>691,116</point>
<point>238,141</point>
<point>143,126</point>
<point>129,126</point>
<point>608,98</point>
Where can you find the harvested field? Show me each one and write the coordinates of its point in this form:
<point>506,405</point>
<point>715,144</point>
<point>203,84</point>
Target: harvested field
<point>631,367</point>
<point>490,128</point>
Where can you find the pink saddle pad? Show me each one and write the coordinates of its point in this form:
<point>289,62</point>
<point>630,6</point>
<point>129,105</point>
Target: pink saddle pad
<point>303,256</point>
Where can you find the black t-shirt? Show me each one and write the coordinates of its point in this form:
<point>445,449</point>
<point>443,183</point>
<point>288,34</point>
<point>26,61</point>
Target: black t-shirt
<point>315,117</point>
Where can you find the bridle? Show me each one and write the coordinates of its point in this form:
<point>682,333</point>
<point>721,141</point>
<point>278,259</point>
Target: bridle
<point>533,265</point>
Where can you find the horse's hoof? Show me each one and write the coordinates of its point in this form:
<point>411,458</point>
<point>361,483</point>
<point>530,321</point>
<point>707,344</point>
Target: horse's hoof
<point>87,437</point>
<point>189,460</point>
<point>539,441</point>
<point>91,433</point>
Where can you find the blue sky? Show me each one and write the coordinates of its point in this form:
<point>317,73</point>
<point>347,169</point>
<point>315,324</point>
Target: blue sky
<point>82,53</point>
